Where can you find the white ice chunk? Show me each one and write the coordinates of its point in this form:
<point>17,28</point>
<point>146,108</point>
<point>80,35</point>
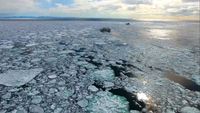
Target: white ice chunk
<point>18,77</point>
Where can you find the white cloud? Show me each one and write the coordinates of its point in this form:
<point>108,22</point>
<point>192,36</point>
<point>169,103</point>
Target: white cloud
<point>190,0</point>
<point>104,8</point>
<point>184,9</point>
<point>137,1</point>
<point>19,6</point>
<point>16,5</point>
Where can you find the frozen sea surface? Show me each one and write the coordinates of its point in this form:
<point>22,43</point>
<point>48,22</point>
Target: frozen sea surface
<point>81,70</point>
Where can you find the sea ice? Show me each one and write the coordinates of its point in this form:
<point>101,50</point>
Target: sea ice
<point>106,102</point>
<point>102,75</point>
<point>18,77</point>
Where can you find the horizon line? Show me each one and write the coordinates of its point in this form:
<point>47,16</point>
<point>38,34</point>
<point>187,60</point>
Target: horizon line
<point>9,18</point>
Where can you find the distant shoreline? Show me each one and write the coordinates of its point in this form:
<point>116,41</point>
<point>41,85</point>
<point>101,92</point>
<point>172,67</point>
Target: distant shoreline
<point>60,19</point>
<point>85,19</point>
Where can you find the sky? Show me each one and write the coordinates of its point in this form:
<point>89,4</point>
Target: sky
<point>132,9</point>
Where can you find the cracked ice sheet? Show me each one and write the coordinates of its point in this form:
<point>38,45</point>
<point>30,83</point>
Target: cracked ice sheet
<point>18,77</point>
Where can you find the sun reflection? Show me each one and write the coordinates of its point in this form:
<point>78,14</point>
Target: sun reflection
<point>150,104</point>
<point>161,34</point>
<point>142,97</point>
<point>144,82</point>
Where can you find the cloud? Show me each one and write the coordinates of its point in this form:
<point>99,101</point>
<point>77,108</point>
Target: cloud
<point>137,1</point>
<point>19,7</point>
<point>83,8</point>
<point>190,0</point>
<point>101,8</point>
<point>184,10</point>
<point>131,8</point>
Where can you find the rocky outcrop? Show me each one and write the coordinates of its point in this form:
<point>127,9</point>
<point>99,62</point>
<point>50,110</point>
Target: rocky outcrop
<point>105,29</point>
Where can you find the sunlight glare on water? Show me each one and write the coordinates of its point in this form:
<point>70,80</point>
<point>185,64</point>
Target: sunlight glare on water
<point>162,34</point>
<point>142,97</point>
